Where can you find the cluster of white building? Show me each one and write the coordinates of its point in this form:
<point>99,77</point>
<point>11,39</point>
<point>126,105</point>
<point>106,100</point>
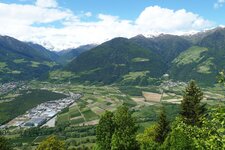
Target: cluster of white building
<point>7,87</point>
<point>46,111</point>
<point>42,113</point>
<point>171,84</point>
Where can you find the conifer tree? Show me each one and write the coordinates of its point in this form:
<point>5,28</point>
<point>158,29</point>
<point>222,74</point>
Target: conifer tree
<point>191,108</point>
<point>162,128</point>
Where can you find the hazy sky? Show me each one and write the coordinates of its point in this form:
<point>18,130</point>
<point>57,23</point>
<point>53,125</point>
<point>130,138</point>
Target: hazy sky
<point>62,24</point>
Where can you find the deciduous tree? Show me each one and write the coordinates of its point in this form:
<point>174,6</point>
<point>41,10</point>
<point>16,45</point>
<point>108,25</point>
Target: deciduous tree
<point>104,131</point>
<point>51,143</point>
<point>124,137</point>
<point>4,144</point>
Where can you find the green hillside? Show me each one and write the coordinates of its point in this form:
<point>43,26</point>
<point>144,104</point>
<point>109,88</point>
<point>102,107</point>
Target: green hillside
<point>23,61</point>
<point>192,64</point>
<point>67,56</point>
<point>167,46</point>
<point>112,60</point>
<point>201,62</point>
<point>135,61</point>
<point>141,60</point>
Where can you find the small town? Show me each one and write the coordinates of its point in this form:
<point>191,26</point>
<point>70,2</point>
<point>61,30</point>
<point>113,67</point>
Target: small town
<point>7,87</point>
<point>42,113</point>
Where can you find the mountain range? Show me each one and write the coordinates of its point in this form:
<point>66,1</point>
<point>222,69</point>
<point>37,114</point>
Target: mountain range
<point>199,57</point>
<point>24,61</point>
<point>138,60</point>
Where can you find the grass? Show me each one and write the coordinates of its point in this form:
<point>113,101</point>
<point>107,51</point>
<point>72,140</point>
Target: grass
<point>131,90</point>
<point>2,65</point>
<point>74,114</point>
<point>151,113</point>
<point>50,64</point>
<point>80,142</point>
<point>134,75</point>
<point>137,90</point>
<point>191,55</point>
<point>16,72</point>
<point>40,139</point>
<point>89,115</point>
<point>77,121</point>
<point>205,67</point>
<point>139,59</point>
<point>62,118</point>
<point>35,64</point>
<point>60,75</point>
<point>81,139</point>
<point>68,117</point>
<point>19,61</point>
<point>129,103</point>
<point>28,140</point>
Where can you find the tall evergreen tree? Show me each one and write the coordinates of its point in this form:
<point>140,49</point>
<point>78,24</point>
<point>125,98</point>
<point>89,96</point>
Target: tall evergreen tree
<point>104,131</point>
<point>191,108</point>
<point>124,137</point>
<point>162,128</point>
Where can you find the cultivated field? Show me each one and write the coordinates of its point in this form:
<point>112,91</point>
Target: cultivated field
<point>152,97</point>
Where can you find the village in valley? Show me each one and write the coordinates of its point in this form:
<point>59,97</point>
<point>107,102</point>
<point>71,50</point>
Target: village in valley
<point>43,114</point>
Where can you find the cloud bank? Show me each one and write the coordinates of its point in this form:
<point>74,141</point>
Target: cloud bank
<point>59,28</point>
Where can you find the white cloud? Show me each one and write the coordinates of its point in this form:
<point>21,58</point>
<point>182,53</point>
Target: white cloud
<point>88,14</point>
<point>14,14</point>
<point>46,3</point>
<point>219,3</point>
<point>35,23</point>
<point>159,19</point>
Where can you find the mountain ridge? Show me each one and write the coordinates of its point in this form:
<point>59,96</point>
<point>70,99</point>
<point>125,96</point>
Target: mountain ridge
<point>20,61</point>
<point>166,48</point>
<point>138,59</point>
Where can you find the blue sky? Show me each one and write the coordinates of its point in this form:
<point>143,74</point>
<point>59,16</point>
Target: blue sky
<point>60,24</point>
<point>130,9</point>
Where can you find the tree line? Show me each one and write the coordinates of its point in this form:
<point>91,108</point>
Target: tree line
<point>195,128</point>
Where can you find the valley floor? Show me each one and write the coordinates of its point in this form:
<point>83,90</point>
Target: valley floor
<point>76,123</point>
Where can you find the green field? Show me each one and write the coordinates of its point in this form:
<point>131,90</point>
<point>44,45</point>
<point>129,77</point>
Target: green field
<point>191,55</point>
<point>139,59</point>
<point>89,115</point>
<point>2,65</point>
<point>35,64</point>
<point>19,61</point>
